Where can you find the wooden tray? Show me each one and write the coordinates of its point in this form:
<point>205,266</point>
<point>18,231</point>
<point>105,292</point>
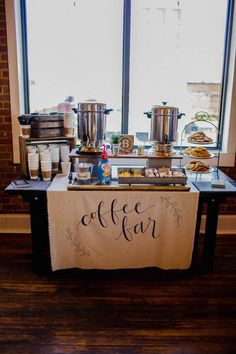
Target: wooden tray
<point>116,187</point>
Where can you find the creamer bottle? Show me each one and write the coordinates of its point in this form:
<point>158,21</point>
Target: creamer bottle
<point>104,168</point>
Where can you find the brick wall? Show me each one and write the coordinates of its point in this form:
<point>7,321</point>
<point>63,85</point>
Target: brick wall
<point>8,170</point>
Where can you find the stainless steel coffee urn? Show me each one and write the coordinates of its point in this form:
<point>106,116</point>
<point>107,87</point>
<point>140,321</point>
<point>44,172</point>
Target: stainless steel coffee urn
<point>92,122</point>
<point>164,123</point>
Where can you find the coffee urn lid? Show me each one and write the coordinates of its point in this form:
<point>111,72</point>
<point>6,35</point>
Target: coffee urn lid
<point>164,107</point>
<point>91,105</point>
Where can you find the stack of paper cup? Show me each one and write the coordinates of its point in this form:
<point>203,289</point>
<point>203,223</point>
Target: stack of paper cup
<point>65,152</point>
<point>33,165</point>
<point>45,155</point>
<point>45,163</point>
<point>46,169</point>
<point>69,122</point>
<point>55,156</point>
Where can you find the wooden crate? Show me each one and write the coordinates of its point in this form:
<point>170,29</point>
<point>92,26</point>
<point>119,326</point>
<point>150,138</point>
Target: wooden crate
<point>47,126</point>
<point>23,142</point>
<point>46,132</point>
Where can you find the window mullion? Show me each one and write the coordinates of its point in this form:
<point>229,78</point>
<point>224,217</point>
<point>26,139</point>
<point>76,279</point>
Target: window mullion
<point>228,38</point>
<point>126,66</point>
<point>25,56</point>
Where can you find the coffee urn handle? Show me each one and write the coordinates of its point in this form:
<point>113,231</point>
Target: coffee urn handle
<point>180,115</point>
<point>148,114</point>
<point>107,110</point>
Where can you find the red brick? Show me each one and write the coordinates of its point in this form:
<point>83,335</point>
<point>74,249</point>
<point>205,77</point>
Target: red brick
<point>6,127</point>
<point>4,57</point>
<point>7,105</point>
<point>5,112</point>
<point>3,65</point>
<point>5,135</point>
<point>231,210</point>
<point>3,32</point>
<point>5,97</point>
<point>4,82</point>
<point>3,49</point>
<point>5,89</point>
<point>3,165</point>
<point>5,156</point>
<point>5,200</point>
<point>5,73</point>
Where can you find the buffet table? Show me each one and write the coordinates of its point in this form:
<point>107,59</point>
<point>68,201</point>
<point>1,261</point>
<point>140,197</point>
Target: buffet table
<point>113,229</point>
<point>123,228</point>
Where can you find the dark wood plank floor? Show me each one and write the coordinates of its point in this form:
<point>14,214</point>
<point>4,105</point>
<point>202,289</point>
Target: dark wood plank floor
<point>125,311</point>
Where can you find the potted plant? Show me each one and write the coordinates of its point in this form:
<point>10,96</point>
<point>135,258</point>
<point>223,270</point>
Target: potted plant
<point>115,139</point>
<point>115,143</point>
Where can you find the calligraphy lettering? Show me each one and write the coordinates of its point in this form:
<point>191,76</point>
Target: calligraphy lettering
<point>119,215</point>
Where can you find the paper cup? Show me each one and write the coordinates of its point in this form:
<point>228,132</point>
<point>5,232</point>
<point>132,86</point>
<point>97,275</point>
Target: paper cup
<point>65,151</point>
<point>46,175</point>
<point>33,166</point>
<point>55,154</point>
<point>42,147</point>
<point>55,166</point>
<point>45,156</point>
<point>65,168</point>
<point>33,162</point>
<point>68,131</point>
<point>25,131</point>
<point>46,164</point>
<point>32,149</point>
<point>69,121</point>
<point>34,173</point>
<point>55,161</point>
<point>46,169</point>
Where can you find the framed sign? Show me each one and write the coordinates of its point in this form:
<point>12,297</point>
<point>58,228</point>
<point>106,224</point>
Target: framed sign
<point>126,143</point>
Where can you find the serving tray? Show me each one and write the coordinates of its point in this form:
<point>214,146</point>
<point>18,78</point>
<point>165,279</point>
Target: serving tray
<point>132,178</point>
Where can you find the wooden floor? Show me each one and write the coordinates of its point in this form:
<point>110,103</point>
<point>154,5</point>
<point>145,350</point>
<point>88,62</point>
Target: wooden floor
<point>125,311</point>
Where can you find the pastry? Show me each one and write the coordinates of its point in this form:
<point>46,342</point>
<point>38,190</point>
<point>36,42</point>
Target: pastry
<point>198,166</point>
<point>200,137</point>
<point>197,152</point>
<point>124,174</point>
<point>163,172</point>
<point>89,149</point>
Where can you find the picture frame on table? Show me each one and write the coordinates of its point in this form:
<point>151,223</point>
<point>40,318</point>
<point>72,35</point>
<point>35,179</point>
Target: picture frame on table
<point>126,143</point>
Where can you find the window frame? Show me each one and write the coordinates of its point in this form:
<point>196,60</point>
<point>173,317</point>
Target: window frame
<point>18,75</point>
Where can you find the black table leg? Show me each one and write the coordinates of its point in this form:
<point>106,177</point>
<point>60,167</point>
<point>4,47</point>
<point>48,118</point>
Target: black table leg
<point>197,231</point>
<point>39,232</point>
<point>210,234</point>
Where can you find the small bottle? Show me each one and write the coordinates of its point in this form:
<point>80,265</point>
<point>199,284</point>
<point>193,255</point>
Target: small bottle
<point>104,168</point>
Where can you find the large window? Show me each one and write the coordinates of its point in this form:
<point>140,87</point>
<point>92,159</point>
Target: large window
<point>136,53</point>
<point>75,49</point>
<point>177,53</point>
